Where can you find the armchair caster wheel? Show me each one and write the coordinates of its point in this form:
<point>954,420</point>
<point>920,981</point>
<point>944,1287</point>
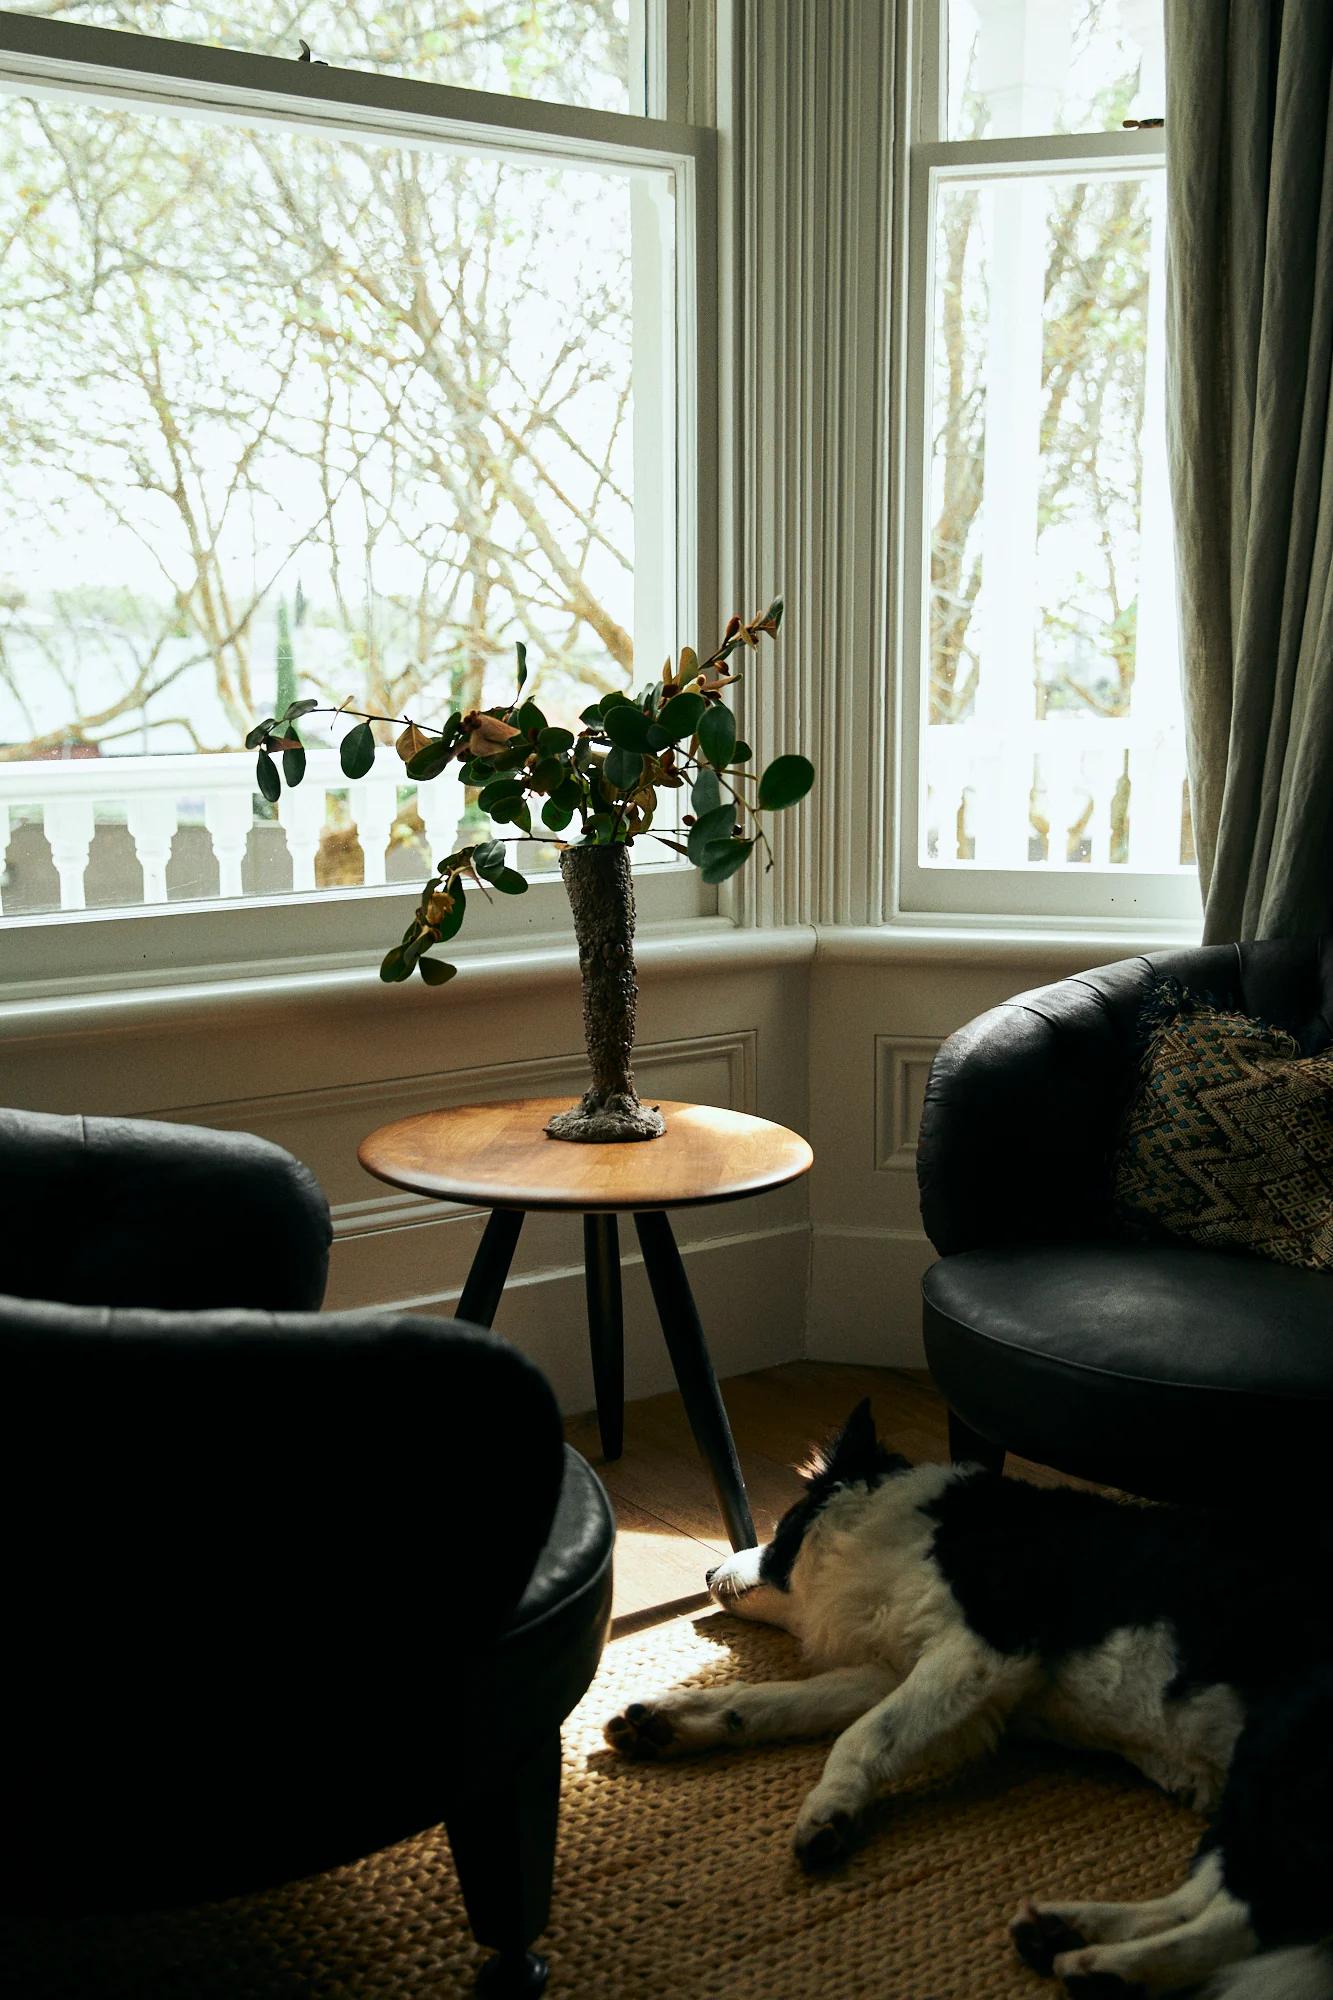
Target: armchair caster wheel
<point>513,1975</point>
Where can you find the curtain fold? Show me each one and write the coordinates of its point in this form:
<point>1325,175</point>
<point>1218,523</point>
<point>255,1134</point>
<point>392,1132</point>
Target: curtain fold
<point>1249,146</point>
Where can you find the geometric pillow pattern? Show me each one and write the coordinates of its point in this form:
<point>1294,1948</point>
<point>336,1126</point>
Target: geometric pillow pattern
<point>1228,1140</point>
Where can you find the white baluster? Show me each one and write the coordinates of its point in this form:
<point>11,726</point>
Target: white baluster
<point>69,828</point>
<point>439,805</point>
<point>1098,771</point>
<point>1069,802</point>
<point>301,815</point>
<point>1156,770</point>
<point>229,817</point>
<point>152,820</point>
<point>374,804</point>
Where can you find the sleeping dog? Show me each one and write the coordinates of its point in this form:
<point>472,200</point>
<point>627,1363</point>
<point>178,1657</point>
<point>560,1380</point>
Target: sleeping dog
<point>940,1606</point>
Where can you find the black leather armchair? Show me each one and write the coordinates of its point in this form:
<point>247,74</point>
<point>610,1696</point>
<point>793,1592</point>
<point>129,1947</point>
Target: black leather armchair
<point>281,1589</point>
<point>1172,1371</point>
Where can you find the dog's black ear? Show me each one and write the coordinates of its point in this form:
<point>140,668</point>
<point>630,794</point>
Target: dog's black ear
<point>854,1454</point>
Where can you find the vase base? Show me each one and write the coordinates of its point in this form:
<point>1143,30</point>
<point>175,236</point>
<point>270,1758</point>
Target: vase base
<point>619,1119</point>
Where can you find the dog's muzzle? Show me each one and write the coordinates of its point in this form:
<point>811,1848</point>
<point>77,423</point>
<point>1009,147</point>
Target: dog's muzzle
<point>733,1576</point>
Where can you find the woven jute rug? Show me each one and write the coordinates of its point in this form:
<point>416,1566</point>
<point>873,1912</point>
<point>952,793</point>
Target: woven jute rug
<point>673,1879</point>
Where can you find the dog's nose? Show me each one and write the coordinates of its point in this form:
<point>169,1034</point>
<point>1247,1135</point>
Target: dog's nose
<point>709,1574</point>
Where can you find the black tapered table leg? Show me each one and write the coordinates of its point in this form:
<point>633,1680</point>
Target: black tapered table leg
<point>606,1328</point>
<point>490,1266</point>
<point>694,1372</point>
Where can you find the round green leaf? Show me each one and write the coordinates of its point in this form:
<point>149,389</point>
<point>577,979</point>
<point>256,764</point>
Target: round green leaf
<point>557,817</point>
<point>295,709</point>
<point>742,753</point>
<point>551,742</point>
<point>712,827</point>
<point>510,883</point>
<point>707,794</point>
<point>266,777</point>
<point>786,780</point>
<point>293,765</point>
<point>723,857</point>
<point>623,769</point>
<point>429,762</point>
<point>717,734</point>
<point>259,732</point>
<point>628,727</point>
<point>680,717</point>
<point>436,971</point>
<point>489,858</point>
<point>498,792</point>
<point>395,966</point>
<point>357,751</point>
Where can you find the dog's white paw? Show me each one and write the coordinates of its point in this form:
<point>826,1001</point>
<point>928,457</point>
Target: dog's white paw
<point>676,1724</point>
<point>825,1830</point>
<point>1040,1936</point>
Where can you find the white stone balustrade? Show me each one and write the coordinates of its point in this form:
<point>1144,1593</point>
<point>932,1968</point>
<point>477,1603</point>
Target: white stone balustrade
<point>155,796</point>
<point>1068,773</point>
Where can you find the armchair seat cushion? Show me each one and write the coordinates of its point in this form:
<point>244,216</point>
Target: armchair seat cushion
<point>1176,1372</point>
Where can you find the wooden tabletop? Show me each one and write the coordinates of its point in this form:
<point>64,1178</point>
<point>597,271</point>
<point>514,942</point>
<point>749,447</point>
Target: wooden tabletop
<point>498,1156</point>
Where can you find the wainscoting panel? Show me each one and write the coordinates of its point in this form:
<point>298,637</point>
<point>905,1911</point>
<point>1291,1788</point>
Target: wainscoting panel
<point>744,1283</point>
<point>326,1125</point>
<point>865,1287</point>
<point>902,1064</point>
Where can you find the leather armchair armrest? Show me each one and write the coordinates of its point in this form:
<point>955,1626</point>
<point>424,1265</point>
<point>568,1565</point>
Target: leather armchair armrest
<point>1021,1110</point>
<point>123,1211</point>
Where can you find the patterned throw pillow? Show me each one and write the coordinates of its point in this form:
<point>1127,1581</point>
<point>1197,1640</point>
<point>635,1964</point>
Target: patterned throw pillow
<point>1228,1140</point>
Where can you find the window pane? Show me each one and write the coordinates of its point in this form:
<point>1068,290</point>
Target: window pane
<point>291,415</point>
<point>1018,67</point>
<point>568,51</point>
<point>1054,733</point>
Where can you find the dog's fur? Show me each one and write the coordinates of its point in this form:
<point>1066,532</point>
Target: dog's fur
<point>942,1605</point>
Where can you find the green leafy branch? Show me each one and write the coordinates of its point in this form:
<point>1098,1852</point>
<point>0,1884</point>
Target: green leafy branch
<point>609,776</point>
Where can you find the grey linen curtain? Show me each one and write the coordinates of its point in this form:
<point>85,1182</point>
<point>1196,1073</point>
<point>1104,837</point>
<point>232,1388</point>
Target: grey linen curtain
<point>1250,339</point>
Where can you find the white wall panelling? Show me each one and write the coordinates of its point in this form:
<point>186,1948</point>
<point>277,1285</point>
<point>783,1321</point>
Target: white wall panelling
<point>902,1064</point>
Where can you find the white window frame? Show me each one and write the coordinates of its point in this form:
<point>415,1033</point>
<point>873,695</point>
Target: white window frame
<point>122,948</point>
<point>927,162</point>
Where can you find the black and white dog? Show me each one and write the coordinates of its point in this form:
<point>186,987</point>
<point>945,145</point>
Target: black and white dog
<point>941,1606</point>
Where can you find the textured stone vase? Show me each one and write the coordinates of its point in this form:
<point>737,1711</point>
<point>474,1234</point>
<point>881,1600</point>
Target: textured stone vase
<point>601,895</point>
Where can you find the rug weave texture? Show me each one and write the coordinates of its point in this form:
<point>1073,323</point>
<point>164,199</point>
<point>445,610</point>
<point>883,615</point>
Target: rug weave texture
<point>673,1879</point>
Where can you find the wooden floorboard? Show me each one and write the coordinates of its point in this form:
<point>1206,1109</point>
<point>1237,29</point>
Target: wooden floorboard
<point>668,1528</point>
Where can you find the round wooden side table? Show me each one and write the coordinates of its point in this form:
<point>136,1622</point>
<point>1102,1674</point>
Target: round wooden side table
<point>498,1157</point>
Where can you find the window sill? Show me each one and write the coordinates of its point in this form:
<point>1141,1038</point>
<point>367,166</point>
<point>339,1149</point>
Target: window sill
<point>486,971</point>
<point>1020,943</point>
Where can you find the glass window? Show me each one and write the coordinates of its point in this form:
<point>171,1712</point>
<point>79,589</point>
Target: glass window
<point>1053,730</point>
<point>1021,67</point>
<point>293,414</point>
<point>569,51</point>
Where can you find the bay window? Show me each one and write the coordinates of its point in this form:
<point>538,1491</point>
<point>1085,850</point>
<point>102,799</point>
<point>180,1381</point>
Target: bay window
<point>331,381</point>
